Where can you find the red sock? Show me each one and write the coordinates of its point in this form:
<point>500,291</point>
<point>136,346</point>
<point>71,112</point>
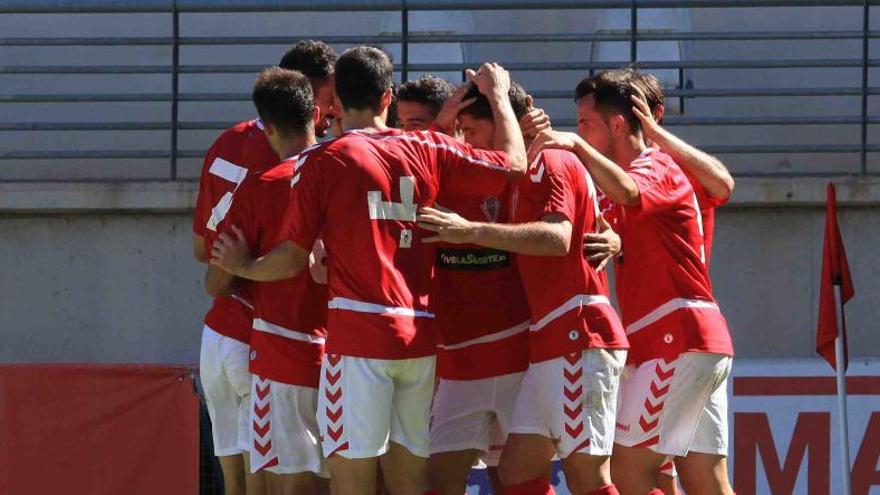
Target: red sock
<point>656,491</point>
<point>605,490</point>
<point>538,486</point>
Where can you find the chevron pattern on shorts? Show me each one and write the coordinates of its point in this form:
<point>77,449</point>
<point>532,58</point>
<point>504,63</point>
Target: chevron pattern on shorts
<point>333,411</point>
<point>262,454</point>
<point>654,401</point>
<point>573,400</point>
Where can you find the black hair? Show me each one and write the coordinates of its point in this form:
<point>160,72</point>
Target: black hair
<point>363,75</point>
<point>480,109</point>
<point>427,90</point>
<point>284,99</point>
<point>315,59</point>
<point>612,91</point>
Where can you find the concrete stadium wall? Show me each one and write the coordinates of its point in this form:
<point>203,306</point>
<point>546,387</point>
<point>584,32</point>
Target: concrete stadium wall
<point>105,286</point>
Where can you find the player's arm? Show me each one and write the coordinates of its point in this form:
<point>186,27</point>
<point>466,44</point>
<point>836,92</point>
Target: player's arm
<point>709,171</point>
<point>494,82</point>
<point>218,282</point>
<point>200,251</point>
<point>232,254</point>
<point>611,179</point>
<point>551,236</point>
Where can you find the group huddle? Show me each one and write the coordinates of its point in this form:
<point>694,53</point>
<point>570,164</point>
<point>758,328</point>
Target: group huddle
<point>426,292</point>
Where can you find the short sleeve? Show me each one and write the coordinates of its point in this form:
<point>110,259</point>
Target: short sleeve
<point>655,192</point>
<point>559,188</point>
<point>304,218</point>
<point>470,171</point>
<point>705,201</point>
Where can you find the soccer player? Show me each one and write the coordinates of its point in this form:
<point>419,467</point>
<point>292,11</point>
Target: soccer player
<point>290,315</point>
<point>360,193</point>
<point>673,393</point>
<point>223,362</point>
<point>566,405</point>
<point>482,320</point>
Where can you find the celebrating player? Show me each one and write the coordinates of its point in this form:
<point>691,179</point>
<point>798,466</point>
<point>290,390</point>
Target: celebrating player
<point>673,393</point>
<point>360,194</point>
<point>566,405</point>
<point>482,323</point>
<point>420,101</point>
<point>223,363</point>
<point>289,315</point>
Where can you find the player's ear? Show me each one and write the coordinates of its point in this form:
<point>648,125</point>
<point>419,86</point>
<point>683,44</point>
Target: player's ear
<point>269,129</point>
<point>659,112</point>
<point>316,116</point>
<point>529,101</point>
<point>618,125</point>
<point>387,96</point>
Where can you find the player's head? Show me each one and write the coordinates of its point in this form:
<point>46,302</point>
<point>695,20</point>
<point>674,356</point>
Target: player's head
<point>286,105</point>
<point>315,60</point>
<point>653,90</point>
<point>604,109</point>
<point>420,101</point>
<point>364,75</point>
<point>477,121</point>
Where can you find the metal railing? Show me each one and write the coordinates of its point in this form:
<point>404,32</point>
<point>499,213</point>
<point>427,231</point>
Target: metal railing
<point>405,39</point>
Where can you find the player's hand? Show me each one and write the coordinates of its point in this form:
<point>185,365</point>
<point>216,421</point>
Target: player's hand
<point>601,247</point>
<point>492,80</point>
<point>550,139</point>
<point>454,104</point>
<point>534,121</point>
<point>643,112</point>
<point>448,225</point>
<point>230,252</point>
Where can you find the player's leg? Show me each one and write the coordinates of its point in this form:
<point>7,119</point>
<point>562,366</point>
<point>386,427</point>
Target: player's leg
<point>505,392</point>
<point>461,419</point>
<point>586,454</point>
<point>634,469</point>
<point>255,483</point>
<point>291,484</point>
<point>667,479</point>
<point>224,409</point>
<point>354,411</point>
<point>704,469</point>
<point>405,467</point>
<point>235,368</point>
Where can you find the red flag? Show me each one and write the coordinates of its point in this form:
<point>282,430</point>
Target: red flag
<point>835,272</point>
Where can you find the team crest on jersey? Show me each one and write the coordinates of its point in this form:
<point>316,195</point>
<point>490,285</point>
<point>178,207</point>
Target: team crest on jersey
<point>491,207</point>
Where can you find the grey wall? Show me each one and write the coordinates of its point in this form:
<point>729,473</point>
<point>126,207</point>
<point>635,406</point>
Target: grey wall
<point>124,288</point>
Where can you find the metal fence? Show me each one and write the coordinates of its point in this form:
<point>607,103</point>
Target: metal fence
<point>861,121</point>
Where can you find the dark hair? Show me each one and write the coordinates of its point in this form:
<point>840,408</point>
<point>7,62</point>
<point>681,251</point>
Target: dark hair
<point>363,75</point>
<point>427,90</point>
<point>651,86</point>
<point>612,89</point>
<point>480,109</point>
<point>284,99</point>
<point>314,59</point>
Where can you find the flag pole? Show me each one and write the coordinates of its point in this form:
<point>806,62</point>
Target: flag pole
<point>843,417</point>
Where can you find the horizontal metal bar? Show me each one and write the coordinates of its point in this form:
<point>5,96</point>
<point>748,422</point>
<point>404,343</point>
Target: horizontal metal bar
<point>229,69</point>
<point>85,126</point>
<point>82,98</point>
<point>82,154</point>
<point>141,6</point>
<point>750,121</point>
<point>730,92</point>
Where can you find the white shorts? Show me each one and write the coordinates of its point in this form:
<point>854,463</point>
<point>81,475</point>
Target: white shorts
<point>223,369</point>
<point>572,400</point>
<point>284,429</point>
<point>675,408</point>
<point>474,414</point>
<point>364,403</point>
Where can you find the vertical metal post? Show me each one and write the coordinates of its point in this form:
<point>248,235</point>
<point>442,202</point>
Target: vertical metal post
<point>175,73</point>
<point>404,43</point>
<point>843,416</point>
<point>633,29</point>
<point>865,47</point>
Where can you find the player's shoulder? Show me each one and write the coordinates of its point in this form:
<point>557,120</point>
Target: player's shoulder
<point>281,172</point>
<point>240,133</point>
<point>561,164</point>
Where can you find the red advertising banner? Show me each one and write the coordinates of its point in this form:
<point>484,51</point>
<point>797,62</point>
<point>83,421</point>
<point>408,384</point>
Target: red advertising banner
<point>98,429</point>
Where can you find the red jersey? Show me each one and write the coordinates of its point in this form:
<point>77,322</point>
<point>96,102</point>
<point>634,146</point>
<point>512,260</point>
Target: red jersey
<point>481,308</point>
<point>663,285</point>
<point>568,300</point>
<point>287,341</point>
<point>707,213</point>
<point>237,151</point>
<point>360,193</point>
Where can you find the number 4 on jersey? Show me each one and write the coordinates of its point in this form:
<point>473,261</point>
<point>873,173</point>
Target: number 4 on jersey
<point>404,211</point>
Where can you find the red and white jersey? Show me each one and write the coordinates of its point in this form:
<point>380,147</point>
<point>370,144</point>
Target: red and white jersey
<point>239,150</point>
<point>361,193</point>
<point>478,298</point>
<point>663,286</point>
<point>287,342</point>
<point>568,300</point>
